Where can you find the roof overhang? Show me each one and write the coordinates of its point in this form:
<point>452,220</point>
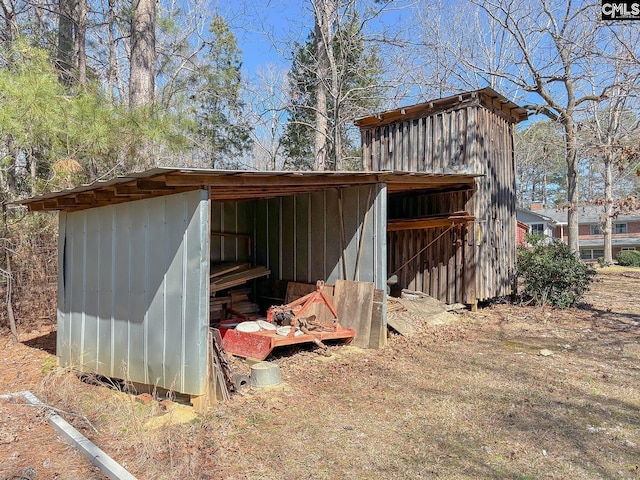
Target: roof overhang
<point>615,242</point>
<point>487,97</point>
<point>232,185</point>
<point>544,218</point>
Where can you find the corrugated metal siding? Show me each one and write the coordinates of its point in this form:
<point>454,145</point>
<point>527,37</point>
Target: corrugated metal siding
<point>299,237</point>
<point>133,296</point>
<point>304,235</point>
<point>471,139</point>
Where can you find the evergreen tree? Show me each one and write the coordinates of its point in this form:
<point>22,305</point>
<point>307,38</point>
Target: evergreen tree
<point>352,92</point>
<point>222,133</point>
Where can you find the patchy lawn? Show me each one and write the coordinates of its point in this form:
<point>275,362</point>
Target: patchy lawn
<point>480,398</point>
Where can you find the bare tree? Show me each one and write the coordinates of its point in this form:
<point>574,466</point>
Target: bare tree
<point>325,16</point>
<point>560,61</point>
<point>266,101</point>
<point>611,134</point>
<point>539,156</point>
<point>10,30</point>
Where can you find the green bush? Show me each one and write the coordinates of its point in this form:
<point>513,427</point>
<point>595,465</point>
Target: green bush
<point>551,273</point>
<point>629,258</point>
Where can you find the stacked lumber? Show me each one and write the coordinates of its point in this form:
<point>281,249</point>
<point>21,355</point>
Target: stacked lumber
<point>217,306</point>
<point>227,267</point>
<point>230,276</point>
<point>240,302</point>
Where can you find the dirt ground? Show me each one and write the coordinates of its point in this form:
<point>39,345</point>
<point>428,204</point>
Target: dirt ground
<point>509,392</point>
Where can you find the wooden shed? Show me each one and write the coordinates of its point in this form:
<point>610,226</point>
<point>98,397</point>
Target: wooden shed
<point>136,255</point>
<point>457,244</point>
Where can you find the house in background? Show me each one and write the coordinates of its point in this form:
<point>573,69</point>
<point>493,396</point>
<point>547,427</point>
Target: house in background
<point>553,223</point>
<point>539,222</point>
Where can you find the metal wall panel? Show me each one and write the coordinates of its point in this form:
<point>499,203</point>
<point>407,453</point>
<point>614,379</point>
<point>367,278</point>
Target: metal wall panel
<point>299,238</point>
<point>230,218</point>
<point>133,291</point>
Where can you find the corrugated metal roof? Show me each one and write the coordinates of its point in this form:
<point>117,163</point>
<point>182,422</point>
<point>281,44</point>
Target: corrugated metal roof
<point>486,96</point>
<point>226,185</point>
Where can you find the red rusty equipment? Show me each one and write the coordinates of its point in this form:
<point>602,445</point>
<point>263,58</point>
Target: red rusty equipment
<point>300,306</point>
<point>258,345</point>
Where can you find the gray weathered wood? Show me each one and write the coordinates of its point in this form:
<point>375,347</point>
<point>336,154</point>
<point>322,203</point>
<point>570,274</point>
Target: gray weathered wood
<point>354,304</point>
<point>474,136</point>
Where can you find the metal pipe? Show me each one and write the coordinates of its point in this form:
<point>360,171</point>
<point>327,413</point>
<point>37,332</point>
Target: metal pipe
<point>96,456</point>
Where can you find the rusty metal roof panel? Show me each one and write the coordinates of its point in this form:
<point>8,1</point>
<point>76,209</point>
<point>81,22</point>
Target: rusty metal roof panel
<point>228,185</point>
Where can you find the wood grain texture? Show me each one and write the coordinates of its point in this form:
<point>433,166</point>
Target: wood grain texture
<point>354,304</point>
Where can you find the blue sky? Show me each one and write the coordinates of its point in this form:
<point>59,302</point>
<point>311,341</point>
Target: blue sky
<point>264,28</point>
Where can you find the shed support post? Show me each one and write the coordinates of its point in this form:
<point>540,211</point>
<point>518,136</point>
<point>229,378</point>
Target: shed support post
<point>200,403</point>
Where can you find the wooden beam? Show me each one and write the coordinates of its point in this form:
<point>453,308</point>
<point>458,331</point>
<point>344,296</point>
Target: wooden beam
<point>102,195</point>
<point>127,190</point>
<point>422,223</point>
<point>283,180</point>
<point>86,198</point>
<point>152,185</point>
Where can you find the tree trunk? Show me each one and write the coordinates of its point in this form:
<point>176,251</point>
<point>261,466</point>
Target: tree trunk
<point>323,43</point>
<point>33,171</point>
<point>64,58</point>
<point>80,41</point>
<point>112,73</point>
<point>572,182</point>
<point>10,23</point>
<point>143,53</point>
<point>10,314</point>
<point>608,205</point>
<point>11,180</point>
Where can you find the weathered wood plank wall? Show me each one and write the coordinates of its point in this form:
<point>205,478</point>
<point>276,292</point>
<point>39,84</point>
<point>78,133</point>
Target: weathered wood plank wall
<point>473,136</point>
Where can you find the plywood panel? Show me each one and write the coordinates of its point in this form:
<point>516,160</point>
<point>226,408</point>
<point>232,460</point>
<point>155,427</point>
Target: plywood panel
<point>354,303</point>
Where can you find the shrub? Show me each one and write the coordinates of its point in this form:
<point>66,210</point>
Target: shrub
<point>629,258</point>
<point>552,273</point>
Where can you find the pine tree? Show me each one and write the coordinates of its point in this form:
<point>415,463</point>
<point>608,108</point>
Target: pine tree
<point>352,92</point>
<point>223,134</point>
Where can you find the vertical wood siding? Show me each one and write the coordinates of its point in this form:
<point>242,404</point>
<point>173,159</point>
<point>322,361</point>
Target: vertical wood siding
<point>468,139</point>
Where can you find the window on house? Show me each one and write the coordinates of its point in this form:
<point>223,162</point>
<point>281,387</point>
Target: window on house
<point>591,254</point>
<point>537,228</point>
<point>620,228</point>
<point>596,230</point>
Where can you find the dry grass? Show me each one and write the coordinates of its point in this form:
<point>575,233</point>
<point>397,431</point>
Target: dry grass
<point>470,400</point>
